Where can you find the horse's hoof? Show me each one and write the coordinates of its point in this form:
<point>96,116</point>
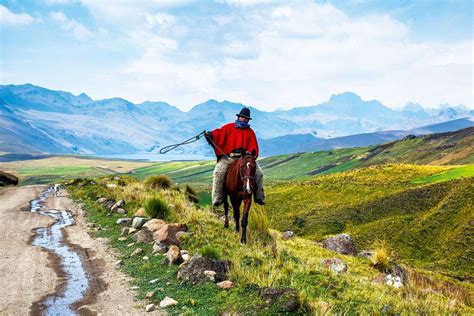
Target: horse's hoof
<point>226,225</point>
<point>243,241</point>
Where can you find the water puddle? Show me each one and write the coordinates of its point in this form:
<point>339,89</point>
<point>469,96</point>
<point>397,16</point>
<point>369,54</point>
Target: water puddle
<point>52,239</point>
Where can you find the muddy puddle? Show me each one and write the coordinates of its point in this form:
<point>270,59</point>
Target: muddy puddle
<point>52,239</point>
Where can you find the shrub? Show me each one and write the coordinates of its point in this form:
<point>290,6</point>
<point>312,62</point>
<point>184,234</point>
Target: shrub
<point>156,208</point>
<point>158,182</point>
<point>191,194</point>
<point>381,256</point>
<point>210,252</point>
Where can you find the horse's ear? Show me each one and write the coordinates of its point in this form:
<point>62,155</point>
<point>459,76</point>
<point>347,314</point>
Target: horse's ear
<point>254,152</point>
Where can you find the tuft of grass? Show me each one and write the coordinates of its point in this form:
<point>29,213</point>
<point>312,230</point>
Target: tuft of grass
<point>209,251</point>
<point>158,182</point>
<point>191,194</point>
<point>156,208</point>
<point>381,257</point>
<point>259,226</point>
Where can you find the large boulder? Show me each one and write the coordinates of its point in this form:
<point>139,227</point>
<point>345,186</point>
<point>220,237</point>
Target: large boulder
<point>173,256</point>
<point>194,270</point>
<point>342,243</point>
<point>167,234</point>
<point>7,179</point>
<point>154,224</point>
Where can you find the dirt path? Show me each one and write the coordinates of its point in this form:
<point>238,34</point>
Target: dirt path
<point>28,275</point>
<point>24,271</point>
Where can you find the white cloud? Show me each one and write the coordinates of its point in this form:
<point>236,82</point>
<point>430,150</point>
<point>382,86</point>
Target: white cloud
<point>78,30</point>
<point>7,17</point>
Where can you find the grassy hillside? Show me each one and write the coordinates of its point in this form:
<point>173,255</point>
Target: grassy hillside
<point>267,261</point>
<point>428,222</point>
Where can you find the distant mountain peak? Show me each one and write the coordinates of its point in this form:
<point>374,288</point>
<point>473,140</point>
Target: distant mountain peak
<point>413,107</point>
<point>345,97</point>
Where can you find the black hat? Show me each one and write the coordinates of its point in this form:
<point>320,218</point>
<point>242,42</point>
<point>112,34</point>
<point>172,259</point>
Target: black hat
<point>245,112</point>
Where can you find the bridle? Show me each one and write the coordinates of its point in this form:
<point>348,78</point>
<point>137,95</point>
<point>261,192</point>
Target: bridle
<point>243,178</point>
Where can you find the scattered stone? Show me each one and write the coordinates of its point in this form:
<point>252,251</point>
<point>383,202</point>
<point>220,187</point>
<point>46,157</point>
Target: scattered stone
<point>365,254</point>
<point>122,238</point>
<point>168,283</point>
<point>121,211</point>
<point>211,275</point>
<point>153,281</point>
<point>106,202</point>
<point>285,299</point>
<point>159,248</point>
<point>132,230</point>
<point>143,236</point>
<point>124,231</point>
<point>150,294</point>
<point>342,243</point>
<point>119,204</point>
<point>225,284</point>
<point>167,234</point>
<point>101,200</point>
<point>287,234</point>
<point>173,256</point>
<point>180,234</point>
<point>185,255</point>
<point>154,224</point>
<point>136,252</point>
<point>140,212</point>
<point>168,301</point>
<point>118,263</point>
<point>130,244</point>
<point>146,258</point>
<point>150,307</point>
<point>193,270</point>
<point>134,287</point>
<point>111,185</point>
<point>335,264</point>
<point>116,178</point>
<point>394,281</point>
<point>138,222</point>
<point>123,221</point>
<point>398,271</point>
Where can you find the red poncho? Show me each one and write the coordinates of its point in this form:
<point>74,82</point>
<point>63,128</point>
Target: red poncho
<point>228,138</point>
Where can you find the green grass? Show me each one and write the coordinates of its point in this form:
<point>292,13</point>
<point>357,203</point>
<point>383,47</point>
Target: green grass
<point>451,174</point>
<point>278,263</point>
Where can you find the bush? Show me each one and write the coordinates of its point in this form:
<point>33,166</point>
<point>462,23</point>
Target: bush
<point>210,252</point>
<point>156,208</point>
<point>158,182</point>
<point>381,256</point>
<point>191,194</point>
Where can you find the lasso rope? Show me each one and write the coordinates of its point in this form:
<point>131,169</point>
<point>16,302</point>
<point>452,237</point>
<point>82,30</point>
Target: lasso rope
<point>166,149</point>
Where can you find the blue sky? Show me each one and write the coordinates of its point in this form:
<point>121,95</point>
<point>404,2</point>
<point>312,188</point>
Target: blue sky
<point>268,54</point>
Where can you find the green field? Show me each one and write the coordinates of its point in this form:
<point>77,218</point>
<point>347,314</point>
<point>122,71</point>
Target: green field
<point>454,173</point>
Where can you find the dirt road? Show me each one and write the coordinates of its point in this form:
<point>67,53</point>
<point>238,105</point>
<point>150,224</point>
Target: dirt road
<point>30,274</point>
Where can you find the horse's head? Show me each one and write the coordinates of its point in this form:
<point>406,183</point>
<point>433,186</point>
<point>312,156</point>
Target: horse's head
<point>247,167</point>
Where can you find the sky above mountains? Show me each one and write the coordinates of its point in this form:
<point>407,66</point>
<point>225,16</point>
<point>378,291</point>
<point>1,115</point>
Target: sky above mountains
<point>268,54</point>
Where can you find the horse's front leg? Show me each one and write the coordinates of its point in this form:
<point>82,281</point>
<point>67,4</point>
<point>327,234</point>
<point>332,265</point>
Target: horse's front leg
<point>236,207</point>
<point>245,217</point>
<point>226,211</point>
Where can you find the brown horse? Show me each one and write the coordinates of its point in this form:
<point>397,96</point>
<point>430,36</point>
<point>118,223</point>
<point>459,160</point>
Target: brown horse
<point>239,186</point>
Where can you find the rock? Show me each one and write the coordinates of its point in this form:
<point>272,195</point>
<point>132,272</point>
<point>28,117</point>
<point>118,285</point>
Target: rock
<point>101,200</point>
<point>285,299</point>
<point>138,222</point>
<point>150,307</point>
<point>173,255</point>
<point>121,211</point>
<point>145,258</point>
<point>342,243</point>
<point>398,271</point>
<point>122,238</point>
<point>193,270</point>
<point>167,234</point>
<point>136,252</point>
<point>159,248</point>
<point>225,284</point>
<point>132,230</point>
<point>140,212</point>
<point>111,185</point>
<point>150,294</point>
<point>124,231</point>
<point>153,281</point>
<point>118,263</point>
<point>180,234</point>
<point>185,255</point>
<point>394,281</point>
<point>116,178</point>
<point>168,301</point>
<point>335,264</point>
<point>143,236</point>
<point>123,221</point>
<point>211,275</point>
<point>134,287</point>
<point>154,224</point>
<point>107,203</point>
<point>119,204</point>
<point>130,244</point>
<point>287,234</point>
<point>365,254</point>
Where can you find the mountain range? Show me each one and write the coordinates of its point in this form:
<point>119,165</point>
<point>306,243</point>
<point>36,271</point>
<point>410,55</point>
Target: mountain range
<point>38,120</point>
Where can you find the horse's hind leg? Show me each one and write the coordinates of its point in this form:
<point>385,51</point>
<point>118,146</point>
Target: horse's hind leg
<point>236,207</point>
<point>226,211</point>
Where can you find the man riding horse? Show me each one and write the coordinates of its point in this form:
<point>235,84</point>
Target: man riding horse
<point>230,142</point>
